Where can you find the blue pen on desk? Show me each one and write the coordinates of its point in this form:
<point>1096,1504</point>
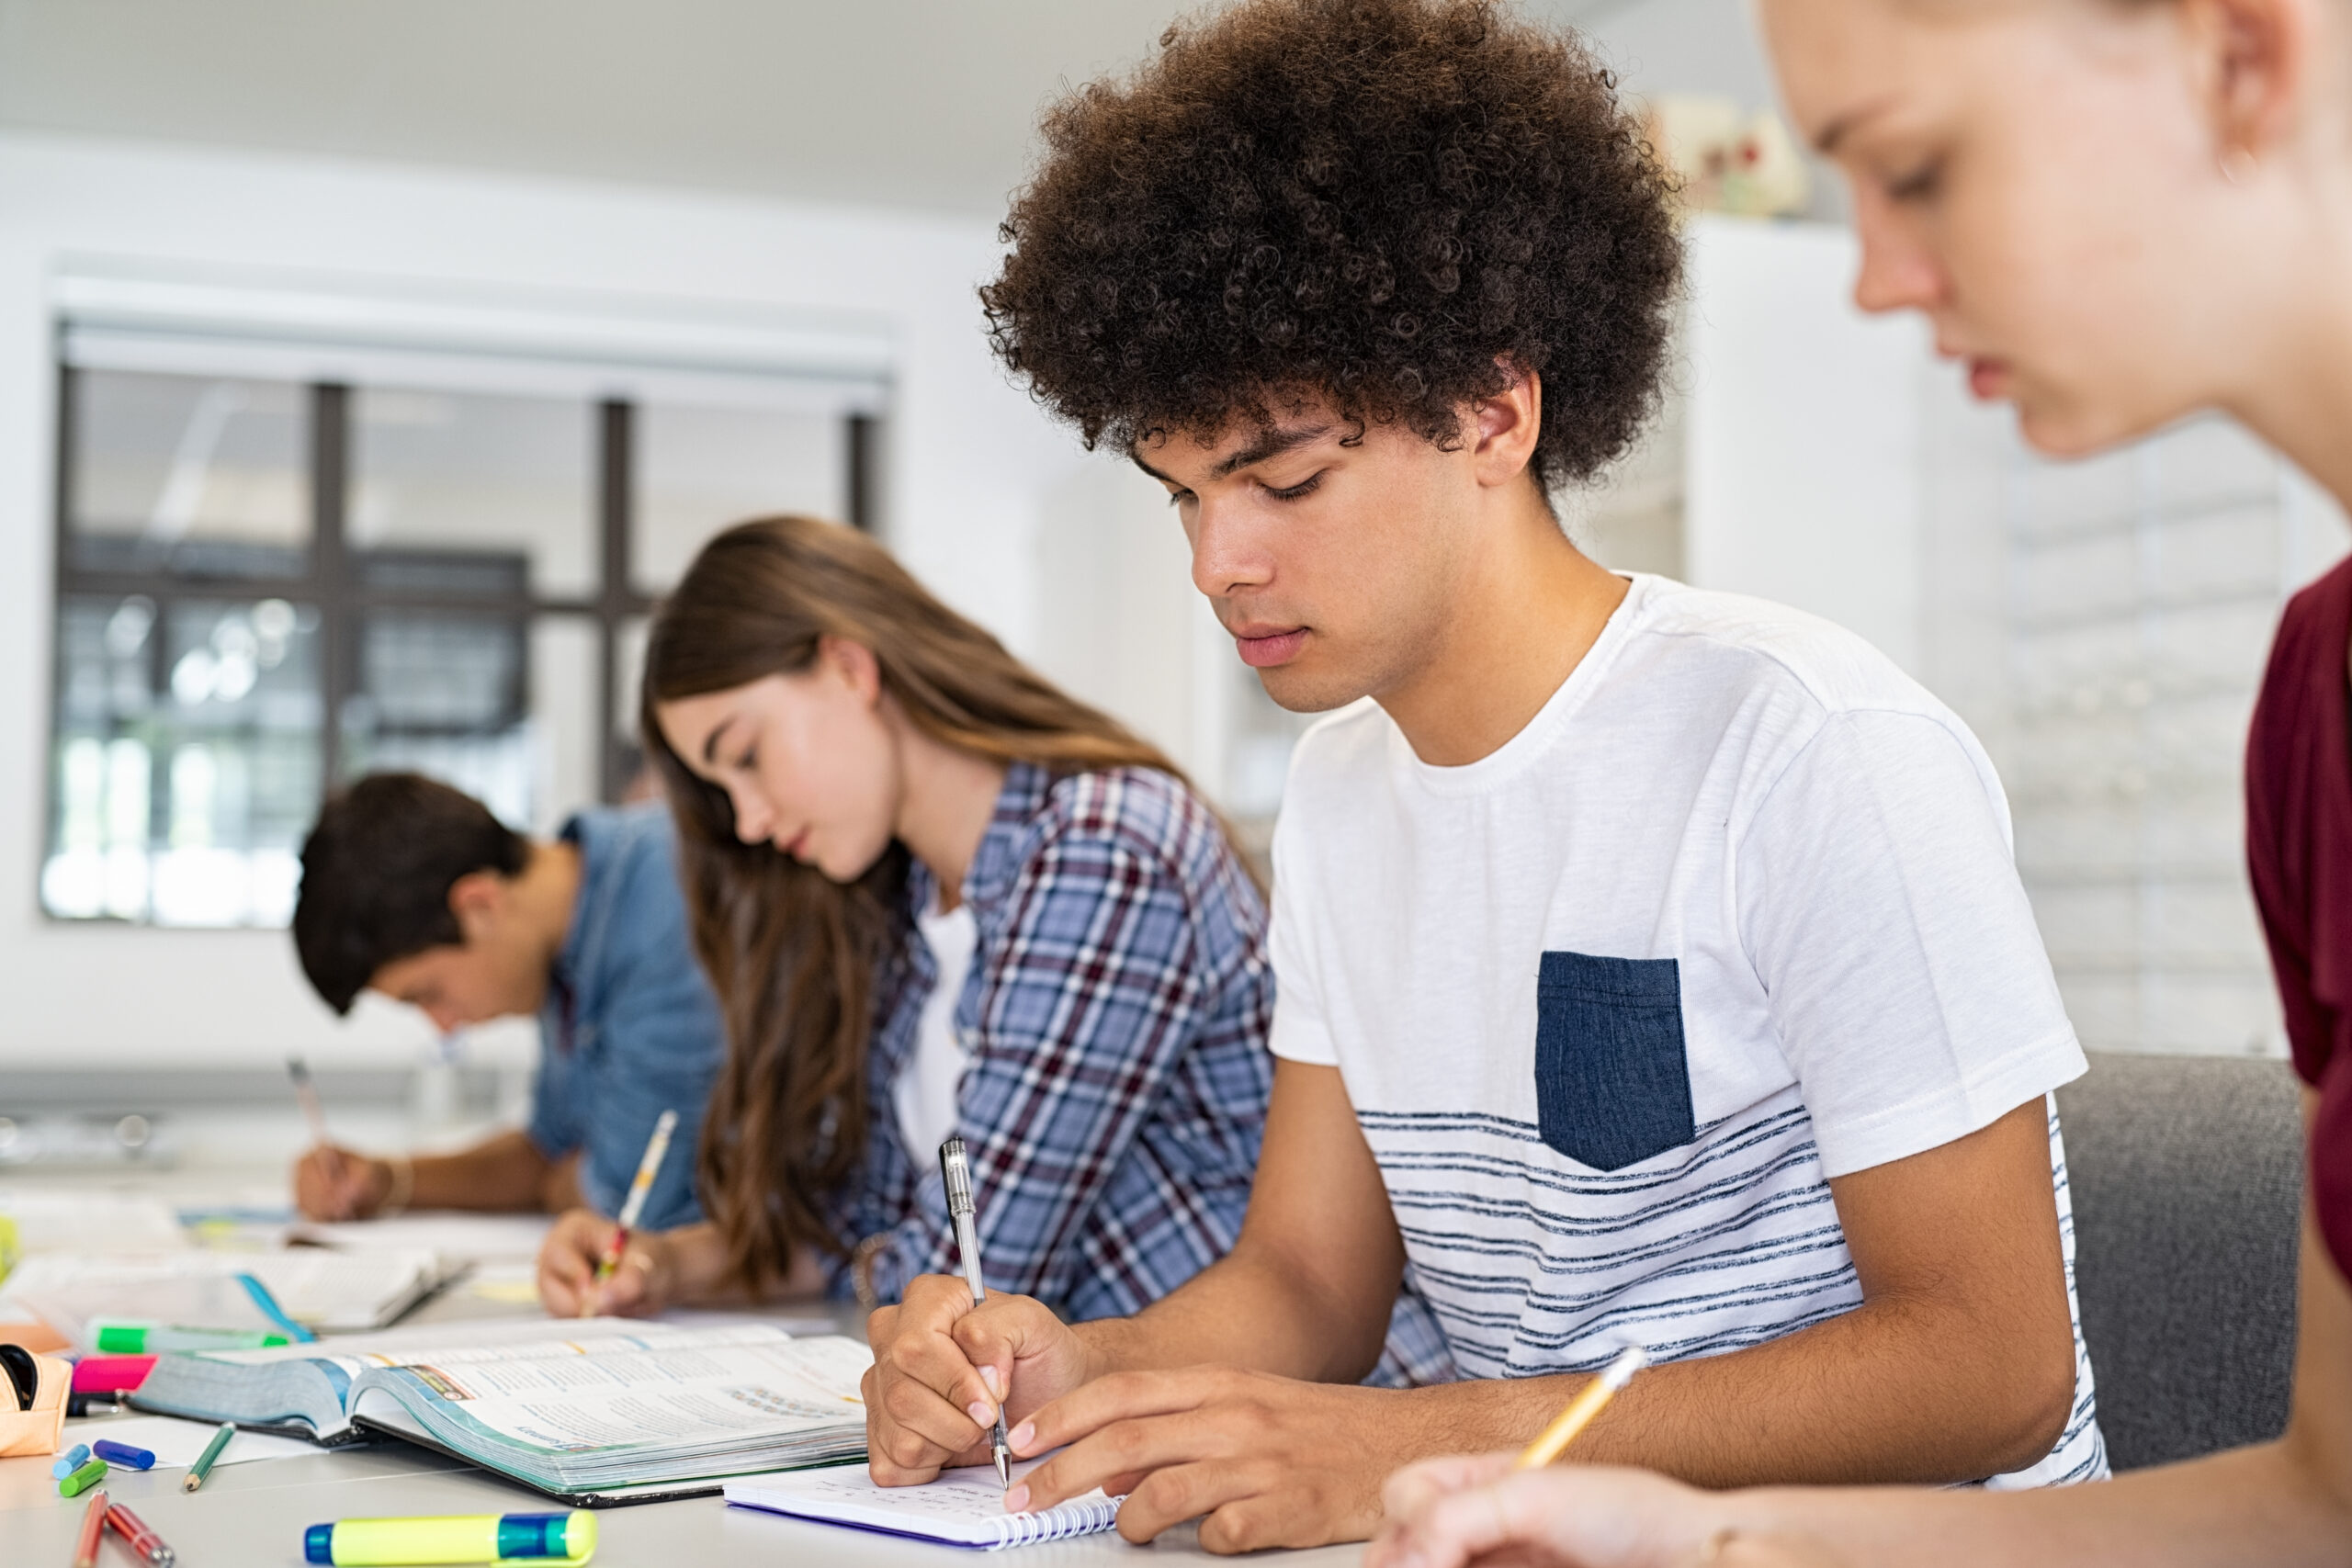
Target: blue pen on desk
<point>272,1311</point>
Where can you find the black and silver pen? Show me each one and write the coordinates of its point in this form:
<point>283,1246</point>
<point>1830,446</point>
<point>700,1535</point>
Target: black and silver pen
<point>957,1172</point>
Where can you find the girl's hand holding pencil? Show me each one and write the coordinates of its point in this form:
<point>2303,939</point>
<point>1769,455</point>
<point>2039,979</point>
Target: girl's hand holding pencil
<point>569,1286</point>
<point>613,1253</point>
<point>1530,1511</point>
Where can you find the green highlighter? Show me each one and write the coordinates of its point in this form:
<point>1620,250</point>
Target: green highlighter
<point>121,1337</point>
<point>481,1538</point>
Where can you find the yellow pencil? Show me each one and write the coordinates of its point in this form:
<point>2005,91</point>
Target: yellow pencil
<point>631,1206</point>
<point>1587,1405</point>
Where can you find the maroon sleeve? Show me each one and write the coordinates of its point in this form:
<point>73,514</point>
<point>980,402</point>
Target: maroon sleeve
<point>2298,815</point>
<point>2298,854</point>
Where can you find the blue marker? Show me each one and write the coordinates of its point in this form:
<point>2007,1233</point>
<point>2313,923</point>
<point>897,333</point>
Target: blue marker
<point>124,1455</point>
<point>70,1461</point>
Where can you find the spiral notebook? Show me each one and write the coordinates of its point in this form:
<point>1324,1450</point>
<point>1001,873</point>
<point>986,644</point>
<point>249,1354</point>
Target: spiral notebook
<point>963,1508</point>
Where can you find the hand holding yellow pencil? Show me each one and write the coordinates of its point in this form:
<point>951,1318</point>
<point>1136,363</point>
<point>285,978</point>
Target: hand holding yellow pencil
<point>656,1147</point>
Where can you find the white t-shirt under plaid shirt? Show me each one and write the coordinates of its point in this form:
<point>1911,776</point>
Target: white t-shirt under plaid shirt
<point>1735,913</point>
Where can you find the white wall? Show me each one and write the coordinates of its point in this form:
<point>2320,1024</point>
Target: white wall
<point>2102,624</point>
<point>969,463</point>
<point>1118,614</point>
<point>1803,437</point>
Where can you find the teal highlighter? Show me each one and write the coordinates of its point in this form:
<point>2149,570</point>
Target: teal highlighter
<point>481,1538</point>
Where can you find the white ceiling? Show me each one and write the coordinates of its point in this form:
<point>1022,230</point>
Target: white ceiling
<point>909,103</point>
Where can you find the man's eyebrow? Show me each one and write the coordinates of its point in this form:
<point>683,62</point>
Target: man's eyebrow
<point>1270,442</point>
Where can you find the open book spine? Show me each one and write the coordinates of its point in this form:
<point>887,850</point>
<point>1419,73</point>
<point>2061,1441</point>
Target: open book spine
<point>1056,1524</point>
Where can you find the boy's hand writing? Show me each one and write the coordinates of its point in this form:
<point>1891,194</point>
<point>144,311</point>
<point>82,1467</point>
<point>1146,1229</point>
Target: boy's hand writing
<point>939,1366</point>
<point>333,1183</point>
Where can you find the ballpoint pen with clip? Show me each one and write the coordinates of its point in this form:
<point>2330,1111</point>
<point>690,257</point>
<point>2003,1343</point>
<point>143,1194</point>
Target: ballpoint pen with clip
<point>957,1172</point>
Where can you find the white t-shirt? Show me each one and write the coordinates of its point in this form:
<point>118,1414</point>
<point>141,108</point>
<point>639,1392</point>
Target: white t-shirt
<point>1735,913</point>
<point>924,1092</point>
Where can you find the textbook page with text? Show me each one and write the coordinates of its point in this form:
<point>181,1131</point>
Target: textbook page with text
<point>617,1410</point>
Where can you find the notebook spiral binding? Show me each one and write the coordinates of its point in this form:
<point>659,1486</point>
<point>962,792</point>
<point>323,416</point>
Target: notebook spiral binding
<point>1057,1524</point>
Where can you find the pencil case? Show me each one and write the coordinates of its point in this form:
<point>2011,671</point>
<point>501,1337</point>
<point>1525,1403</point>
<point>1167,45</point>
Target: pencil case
<point>32,1402</point>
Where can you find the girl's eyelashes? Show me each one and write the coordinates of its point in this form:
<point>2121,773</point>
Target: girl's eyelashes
<point>1918,184</point>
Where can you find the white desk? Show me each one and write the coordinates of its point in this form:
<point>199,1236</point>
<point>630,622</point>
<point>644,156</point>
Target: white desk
<point>252,1516</point>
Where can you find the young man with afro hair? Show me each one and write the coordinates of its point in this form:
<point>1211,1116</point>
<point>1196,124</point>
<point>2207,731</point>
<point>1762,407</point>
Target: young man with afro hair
<point>1651,966</point>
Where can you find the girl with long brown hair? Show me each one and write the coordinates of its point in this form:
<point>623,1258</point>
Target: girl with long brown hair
<point>934,894</point>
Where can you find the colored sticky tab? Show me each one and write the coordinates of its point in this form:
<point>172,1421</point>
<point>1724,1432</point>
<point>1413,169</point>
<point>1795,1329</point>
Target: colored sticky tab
<point>119,1338</point>
<point>110,1374</point>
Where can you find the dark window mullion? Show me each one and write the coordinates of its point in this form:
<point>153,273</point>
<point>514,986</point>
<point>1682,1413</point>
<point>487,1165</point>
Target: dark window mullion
<point>52,825</point>
<point>616,504</point>
<point>159,777</point>
<point>330,570</point>
<point>859,432</point>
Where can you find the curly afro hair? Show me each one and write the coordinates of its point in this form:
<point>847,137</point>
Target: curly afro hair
<point>1380,202</point>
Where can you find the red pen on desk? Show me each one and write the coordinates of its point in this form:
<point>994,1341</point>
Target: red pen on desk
<point>145,1542</point>
<point>633,1205</point>
<point>94,1524</point>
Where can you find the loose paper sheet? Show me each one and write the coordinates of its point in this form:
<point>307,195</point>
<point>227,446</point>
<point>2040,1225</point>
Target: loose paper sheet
<point>177,1443</point>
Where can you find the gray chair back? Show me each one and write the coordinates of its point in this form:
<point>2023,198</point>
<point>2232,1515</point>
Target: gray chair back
<point>2187,1179</point>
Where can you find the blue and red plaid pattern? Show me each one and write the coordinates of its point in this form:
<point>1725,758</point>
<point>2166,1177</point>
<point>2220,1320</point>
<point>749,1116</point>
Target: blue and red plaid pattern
<point>1115,1017</point>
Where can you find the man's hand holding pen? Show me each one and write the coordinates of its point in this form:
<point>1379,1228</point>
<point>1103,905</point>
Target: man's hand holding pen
<point>1252,1452</point>
<point>942,1365</point>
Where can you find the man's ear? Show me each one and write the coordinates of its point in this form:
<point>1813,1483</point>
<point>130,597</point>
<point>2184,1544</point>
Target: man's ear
<point>477,901</point>
<point>854,663</point>
<point>1508,425</point>
<point>2254,62</point>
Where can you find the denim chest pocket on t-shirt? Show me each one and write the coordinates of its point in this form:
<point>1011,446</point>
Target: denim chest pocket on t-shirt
<point>1612,1083</point>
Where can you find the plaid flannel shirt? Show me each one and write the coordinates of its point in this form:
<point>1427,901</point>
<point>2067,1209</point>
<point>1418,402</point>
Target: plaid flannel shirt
<point>1113,1095</point>
<point>1115,1088</point>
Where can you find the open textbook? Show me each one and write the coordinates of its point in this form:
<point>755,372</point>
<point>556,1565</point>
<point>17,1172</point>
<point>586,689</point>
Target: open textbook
<point>611,1412</point>
<point>330,1293</point>
<point>963,1508</point>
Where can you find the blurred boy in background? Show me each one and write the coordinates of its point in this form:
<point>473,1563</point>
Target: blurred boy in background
<point>413,890</point>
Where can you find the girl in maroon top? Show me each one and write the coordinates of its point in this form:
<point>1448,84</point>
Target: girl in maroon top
<point>2117,213</point>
